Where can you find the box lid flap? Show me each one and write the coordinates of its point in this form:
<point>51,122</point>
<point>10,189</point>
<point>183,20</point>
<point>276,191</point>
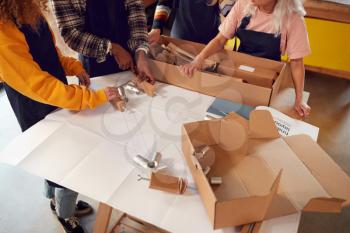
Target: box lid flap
<point>245,210</point>
<point>203,132</point>
<point>238,118</point>
<point>346,204</point>
<point>324,205</point>
<point>320,164</point>
<point>233,137</point>
<point>262,126</point>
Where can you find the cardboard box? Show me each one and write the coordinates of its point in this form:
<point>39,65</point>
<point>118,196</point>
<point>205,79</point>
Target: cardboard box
<point>225,86</point>
<point>249,157</point>
<point>253,75</point>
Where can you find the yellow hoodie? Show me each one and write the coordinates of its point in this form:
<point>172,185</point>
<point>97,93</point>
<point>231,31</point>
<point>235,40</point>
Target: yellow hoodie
<point>22,73</point>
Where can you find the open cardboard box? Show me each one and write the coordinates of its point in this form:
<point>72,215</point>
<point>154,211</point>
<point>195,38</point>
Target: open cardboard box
<point>249,156</point>
<point>253,91</point>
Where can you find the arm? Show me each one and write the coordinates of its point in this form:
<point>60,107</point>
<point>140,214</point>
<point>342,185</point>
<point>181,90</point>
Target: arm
<point>138,26</point>
<point>162,13</point>
<point>71,25</point>
<point>20,72</point>
<point>71,66</point>
<point>161,16</point>
<point>214,46</point>
<point>298,74</point>
<point>227,30</point>
<point>297,48</point>
<point>139,41</point>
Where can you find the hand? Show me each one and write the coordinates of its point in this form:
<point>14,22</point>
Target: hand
<point>143,72</point>
<point>302,108</point>
<point>84,78</point>
<point>122,57</point>
<point>154,36</point>
<point>189,68</point>
<point>111,93</point>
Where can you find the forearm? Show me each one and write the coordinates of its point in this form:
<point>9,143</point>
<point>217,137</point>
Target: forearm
<point>162,13</point>
<point>71,66</point>
<point>71,25</point>
<point>138,26</point>
<point>24,75</point>
<point>298,74</point>
<point>214,46</point>
<point>86,43</point>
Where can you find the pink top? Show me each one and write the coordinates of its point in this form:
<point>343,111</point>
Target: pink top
<point>294,36</point>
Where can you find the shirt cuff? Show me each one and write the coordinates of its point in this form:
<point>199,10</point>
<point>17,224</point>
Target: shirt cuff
<point>102,51</point>
<point>157,24</point>
<point>146,50</point>
<point>78,68</point>
<point>109,48</point>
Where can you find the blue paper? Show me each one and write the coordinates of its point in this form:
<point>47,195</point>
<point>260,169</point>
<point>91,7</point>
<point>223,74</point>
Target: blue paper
<point>222,107</point>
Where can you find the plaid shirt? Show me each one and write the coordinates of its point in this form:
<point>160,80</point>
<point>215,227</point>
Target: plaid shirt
<point>70,16</point>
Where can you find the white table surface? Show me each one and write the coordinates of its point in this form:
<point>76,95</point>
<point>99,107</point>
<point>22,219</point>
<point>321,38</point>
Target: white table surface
<point>91,152</point>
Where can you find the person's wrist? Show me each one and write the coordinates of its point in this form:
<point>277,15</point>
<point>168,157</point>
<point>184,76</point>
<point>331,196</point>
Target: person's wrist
<point>109,47</point>
<point>115,48</point>
<point>157,30</point>
<point>140,54</point>
<point>199,60</point>
<point>298,97</point>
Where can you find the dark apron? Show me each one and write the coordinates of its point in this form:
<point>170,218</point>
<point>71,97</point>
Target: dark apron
<point>43,51</point>
<point>106,19</point>
<point>195,21</point>
<point>259,44</point>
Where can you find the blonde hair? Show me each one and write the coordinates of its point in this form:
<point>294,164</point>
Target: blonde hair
<point>22,11</point>
<point>282,8</point>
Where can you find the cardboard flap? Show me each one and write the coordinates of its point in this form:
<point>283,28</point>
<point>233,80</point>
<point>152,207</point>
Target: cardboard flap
<point>238,118</point>
<point>286,76</point>
<point>203,132</point>
<point>262,126</point>
<point>273,191</point>
<point>332,178</point>
<point>276,183</point>
<point>245,210</point>
<point>233,137</point>
<point>240,211</point>
<point>324,205</point>
<point>346,204</point>
<point>279,205</point>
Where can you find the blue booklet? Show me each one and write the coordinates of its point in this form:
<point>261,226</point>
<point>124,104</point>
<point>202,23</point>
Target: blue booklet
<point>222,107</point>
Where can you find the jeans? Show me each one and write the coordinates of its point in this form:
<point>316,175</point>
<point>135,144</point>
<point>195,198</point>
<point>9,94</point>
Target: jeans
<point>65,200</point>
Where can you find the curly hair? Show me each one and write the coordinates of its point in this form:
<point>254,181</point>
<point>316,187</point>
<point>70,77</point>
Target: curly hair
<point>22,11</point>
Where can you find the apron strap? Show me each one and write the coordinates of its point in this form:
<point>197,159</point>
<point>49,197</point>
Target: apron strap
<point>244,23</point>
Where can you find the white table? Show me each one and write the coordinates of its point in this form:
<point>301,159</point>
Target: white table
<point>91,152</point>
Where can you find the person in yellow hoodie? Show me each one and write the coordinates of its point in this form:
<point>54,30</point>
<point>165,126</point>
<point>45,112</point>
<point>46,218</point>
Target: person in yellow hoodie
<point>34,74</point>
